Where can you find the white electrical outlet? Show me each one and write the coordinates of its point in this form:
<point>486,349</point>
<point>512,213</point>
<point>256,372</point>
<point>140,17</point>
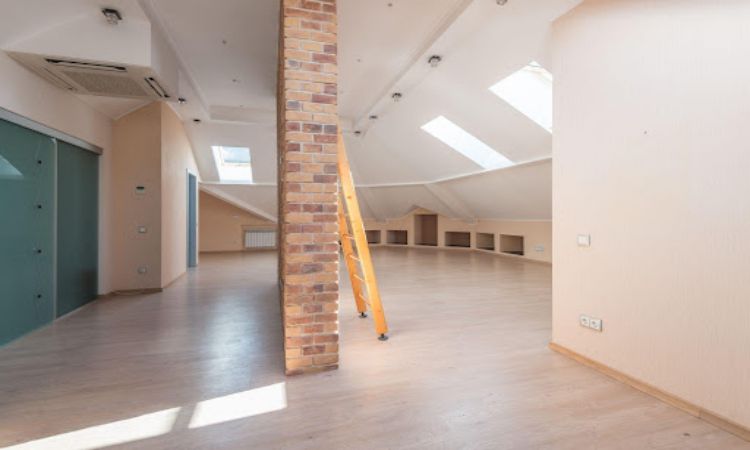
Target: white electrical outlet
<point>590,322</point>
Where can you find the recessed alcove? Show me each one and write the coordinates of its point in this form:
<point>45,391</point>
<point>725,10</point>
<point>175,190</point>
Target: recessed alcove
<point>426,229</point>
<point>486,241</point>
<point>512,245</point>
<point>397,237</point>
<point>374,236</point>
<point>458,239</point>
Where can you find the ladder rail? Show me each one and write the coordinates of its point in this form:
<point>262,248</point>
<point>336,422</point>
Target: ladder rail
<point>351,264</point>
<point>349,208</point>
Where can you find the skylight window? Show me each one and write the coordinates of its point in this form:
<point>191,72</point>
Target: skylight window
<point>233,164</point>
<point>465,143</point>
<point>530,91</point>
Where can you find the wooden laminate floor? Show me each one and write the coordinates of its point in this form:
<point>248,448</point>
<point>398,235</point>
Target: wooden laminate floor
<point>200,366</point>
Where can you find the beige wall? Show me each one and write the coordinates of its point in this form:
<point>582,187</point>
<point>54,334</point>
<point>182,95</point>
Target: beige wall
<point>222,225</point>
<point>537,235</point>
<point>151,150</point>
<point>177,160</point>
<point>651,160</point>
<point>137,162</point>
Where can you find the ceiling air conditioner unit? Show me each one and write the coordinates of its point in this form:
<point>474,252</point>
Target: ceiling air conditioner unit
<point>95,77</point>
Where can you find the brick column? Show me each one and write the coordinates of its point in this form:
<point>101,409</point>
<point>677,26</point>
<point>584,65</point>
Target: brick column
<point>308,184</point>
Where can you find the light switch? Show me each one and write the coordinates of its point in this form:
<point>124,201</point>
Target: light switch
<point>584,240</point>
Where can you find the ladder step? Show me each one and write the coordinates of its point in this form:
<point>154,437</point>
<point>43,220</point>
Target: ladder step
<point>354,258</point>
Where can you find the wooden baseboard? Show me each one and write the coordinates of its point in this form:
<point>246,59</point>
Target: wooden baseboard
<point>666,397</point>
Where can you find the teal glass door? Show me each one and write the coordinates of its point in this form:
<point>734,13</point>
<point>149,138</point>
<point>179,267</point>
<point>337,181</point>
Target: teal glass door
<point>77,227</point>
<point>27,186</point>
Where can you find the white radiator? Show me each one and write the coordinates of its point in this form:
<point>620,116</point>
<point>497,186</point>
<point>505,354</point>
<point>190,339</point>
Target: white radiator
<point>259,239</point>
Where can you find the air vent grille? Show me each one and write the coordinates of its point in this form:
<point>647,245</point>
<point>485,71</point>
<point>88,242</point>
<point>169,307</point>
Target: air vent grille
<point>105,84</point>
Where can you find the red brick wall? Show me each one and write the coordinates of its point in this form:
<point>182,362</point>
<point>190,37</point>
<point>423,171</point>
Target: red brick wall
<point>308,184</point>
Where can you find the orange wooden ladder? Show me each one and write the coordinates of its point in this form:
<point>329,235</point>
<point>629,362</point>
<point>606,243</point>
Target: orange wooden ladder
<point>356,251</point>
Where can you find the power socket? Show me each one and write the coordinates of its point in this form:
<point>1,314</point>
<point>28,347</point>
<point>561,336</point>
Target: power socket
<point>590,322</point>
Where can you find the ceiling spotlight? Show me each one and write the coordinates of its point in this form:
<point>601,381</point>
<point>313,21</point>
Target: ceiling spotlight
<point>112,15</point>
<point>434,60</point>
<point>397,96</point>
<point>181,100</point>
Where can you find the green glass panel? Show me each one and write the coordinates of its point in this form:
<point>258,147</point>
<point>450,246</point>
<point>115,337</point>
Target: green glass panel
<point>77,227</point>
<point>27,175</point>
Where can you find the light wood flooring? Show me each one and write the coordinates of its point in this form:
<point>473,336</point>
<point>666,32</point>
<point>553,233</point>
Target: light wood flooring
<point>199,366</point>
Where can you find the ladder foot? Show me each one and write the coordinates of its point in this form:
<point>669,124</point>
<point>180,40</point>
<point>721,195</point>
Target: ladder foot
<point>383,337</point>
<point>362,315</point>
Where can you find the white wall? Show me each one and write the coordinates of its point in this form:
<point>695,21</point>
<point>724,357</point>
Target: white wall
<point>26,94</point>
<point>651,158</point>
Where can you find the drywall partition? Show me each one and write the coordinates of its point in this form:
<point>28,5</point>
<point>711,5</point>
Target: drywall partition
<point>176,161</point>
<point>150,166</point>
<point>136,190</point>
<point>222,224</point>
<point>650,156</point>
